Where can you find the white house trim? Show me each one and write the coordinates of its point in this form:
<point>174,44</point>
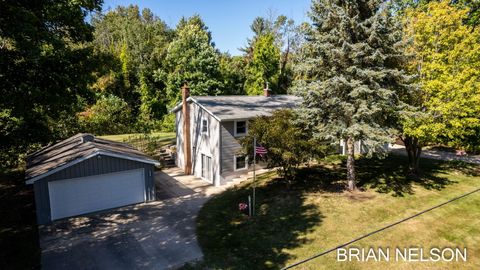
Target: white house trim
<point>97,153</point>
<point>235,127</point>
<point>207,124</point>
<point>235,162</point>
<point>176,108</point>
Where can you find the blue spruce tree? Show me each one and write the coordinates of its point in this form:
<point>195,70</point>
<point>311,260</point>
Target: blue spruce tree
<point>350,75</point>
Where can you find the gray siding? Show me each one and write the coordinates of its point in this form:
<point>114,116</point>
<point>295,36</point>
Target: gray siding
<point>93,166</point>
<point>206,144</point>
<point>230,146</point>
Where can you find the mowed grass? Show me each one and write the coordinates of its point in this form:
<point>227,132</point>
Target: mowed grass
<point>316,214</point>
<point>149,143</point>
<point>166,137</point>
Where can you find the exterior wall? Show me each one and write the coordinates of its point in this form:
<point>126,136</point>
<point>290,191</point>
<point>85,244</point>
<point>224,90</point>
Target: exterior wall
<point>360,148</point>
<point>207,144</point>
<point>93,166</point>
<point>230,147</point>
<point>220,144</point>
<point>179,157</point>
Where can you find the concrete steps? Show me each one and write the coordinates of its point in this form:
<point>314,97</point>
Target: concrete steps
<point>243,177</point>
<point>166,157</point>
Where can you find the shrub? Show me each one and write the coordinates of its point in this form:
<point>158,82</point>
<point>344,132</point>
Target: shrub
<point>109,115</point>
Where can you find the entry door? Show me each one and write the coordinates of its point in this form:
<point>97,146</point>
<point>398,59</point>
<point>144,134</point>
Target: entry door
<point>207,168</point>
<point>71,197</point>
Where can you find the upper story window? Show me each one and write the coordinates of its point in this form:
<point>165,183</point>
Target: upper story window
<point>204,126</point>
<point>240,128</point>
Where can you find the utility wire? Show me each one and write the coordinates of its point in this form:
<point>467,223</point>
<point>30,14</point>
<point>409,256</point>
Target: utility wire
<point>377,231</point>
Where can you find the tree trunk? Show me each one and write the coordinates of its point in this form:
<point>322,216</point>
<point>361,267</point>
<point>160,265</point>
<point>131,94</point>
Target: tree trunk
<point>414,150</point>
<point>351,164</point>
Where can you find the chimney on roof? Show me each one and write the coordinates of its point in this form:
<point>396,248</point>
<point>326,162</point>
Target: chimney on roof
<point>87,138</point>
<point>187,148</point>
<point>267,92</point>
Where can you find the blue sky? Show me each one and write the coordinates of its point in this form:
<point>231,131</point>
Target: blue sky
<point>228,20</point>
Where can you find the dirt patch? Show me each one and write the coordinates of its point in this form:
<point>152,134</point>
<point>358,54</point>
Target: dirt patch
<point>359,196</point>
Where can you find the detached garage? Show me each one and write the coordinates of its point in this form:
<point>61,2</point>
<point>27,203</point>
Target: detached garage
<point>84,174</point>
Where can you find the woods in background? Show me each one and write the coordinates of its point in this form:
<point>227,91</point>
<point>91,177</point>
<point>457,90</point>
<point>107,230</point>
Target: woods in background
<point>149,62</point>
<point>66,67</point>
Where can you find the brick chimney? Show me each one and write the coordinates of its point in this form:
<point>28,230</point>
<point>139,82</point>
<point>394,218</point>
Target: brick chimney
<point>87,138</point>
<point>267,92</point>
<point>187,147</point>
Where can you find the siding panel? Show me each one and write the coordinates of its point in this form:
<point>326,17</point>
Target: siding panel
<point>93,166</point>
<point>230,146</point>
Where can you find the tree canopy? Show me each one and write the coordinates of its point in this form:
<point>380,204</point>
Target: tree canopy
<point>46,65</point>
<point>350,74</point>
<point>192,58</point>
<point>446,58</point>
<point>264,66</point>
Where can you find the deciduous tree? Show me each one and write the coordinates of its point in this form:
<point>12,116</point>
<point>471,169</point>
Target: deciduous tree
<point>264,66</point>
<point>447,57</point>
<point>192,58</point>
<point>46,65</point>
<point>287,143</point>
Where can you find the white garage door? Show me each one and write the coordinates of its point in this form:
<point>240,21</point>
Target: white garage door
<point>71,197</point>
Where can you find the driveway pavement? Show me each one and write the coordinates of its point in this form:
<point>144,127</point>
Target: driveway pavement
<point>437,154</point>
<point>155,235</point>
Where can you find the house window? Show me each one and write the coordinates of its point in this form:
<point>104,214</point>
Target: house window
<point>240,162</point>
<point>240,128</point>
<point>204,126</point>
<point>207,168</point>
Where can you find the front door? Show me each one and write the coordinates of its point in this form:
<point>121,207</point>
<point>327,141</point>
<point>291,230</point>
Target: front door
<point>207,168</point>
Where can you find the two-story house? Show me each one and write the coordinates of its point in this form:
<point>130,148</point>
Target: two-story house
<point>208,129</point>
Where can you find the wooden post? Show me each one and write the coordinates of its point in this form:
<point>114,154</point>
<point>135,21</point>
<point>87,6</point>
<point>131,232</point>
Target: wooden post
<point>254,170</point>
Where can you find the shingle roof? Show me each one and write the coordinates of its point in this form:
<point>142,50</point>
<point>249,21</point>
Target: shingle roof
<point>243,107</point>
<point>77,147</point>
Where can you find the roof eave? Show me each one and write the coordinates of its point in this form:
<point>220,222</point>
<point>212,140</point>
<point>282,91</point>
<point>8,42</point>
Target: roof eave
<point>179,105</point>
<point>191,99</point>
<point>30,181</point>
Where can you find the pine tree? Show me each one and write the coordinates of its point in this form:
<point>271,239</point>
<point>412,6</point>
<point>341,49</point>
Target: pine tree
<point>350,76</point>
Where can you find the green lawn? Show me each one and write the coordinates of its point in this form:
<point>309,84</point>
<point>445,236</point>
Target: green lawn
<point>165,137</point>
<point>18,228</point>
<point>147,143</point>
<point>315,214</point>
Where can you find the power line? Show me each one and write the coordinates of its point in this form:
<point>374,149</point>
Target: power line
<point>377,231</point>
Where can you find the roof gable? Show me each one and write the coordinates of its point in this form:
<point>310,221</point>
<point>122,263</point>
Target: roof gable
<point>76,149</point>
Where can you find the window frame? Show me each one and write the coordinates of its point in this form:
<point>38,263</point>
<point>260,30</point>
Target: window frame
<point>207,132</point>
<point>235,123</point>
<point>235,162</point>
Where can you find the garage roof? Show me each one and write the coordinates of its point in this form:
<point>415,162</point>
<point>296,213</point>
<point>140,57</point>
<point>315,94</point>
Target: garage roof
<point>74,150</point>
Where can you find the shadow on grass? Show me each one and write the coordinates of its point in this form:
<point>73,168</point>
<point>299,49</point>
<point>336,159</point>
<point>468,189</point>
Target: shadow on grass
<point>232,240</point>
<point>388,175</point>
<point>19,248</point>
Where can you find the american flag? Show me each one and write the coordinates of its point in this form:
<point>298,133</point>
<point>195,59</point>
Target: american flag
<point>260,150</point>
